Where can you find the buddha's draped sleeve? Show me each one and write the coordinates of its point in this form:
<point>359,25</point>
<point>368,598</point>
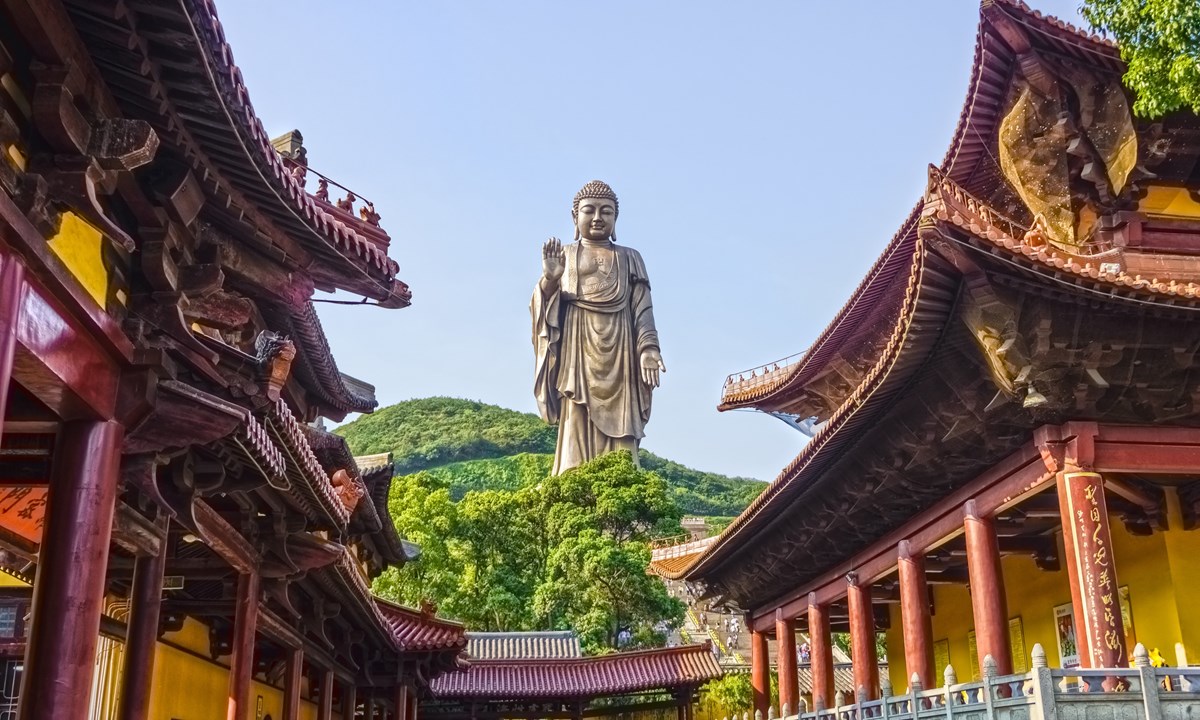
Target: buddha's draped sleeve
<point>643,323</point>
<point>545,309</point>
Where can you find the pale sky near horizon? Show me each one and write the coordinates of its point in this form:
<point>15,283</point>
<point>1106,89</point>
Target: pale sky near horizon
<point>764,153</point>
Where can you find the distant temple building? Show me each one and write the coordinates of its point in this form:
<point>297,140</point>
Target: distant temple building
<point>533,675</point>
<point>1005,472</point>
<point>178,537</point>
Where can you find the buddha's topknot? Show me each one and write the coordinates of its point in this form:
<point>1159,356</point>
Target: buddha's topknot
<point>595,190</point>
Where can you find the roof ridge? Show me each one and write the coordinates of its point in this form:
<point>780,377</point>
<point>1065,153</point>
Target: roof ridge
<point>595,659</point>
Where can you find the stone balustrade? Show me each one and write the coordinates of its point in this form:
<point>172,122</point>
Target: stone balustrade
<point>1140,692</point>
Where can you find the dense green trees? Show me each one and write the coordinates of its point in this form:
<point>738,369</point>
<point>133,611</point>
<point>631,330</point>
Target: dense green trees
<point>507,547</point>
<point>469,445</point>
<point>1160,41</point>
<point>568,552</point>
<point>436,431</point>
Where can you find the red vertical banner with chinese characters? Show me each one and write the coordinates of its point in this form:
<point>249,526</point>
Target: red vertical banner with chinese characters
<point>1099,617</point>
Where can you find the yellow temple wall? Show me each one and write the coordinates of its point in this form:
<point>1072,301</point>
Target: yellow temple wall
<point>8,581</point>
<point>81,248</point>
<point>187,685</point>
<point>1160,571</point>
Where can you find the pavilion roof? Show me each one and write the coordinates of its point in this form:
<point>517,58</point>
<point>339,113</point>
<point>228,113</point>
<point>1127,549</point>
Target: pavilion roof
<point>896,315</point>
<point>523,645</point>
<point>316,367</point>
<point>169,63</point>
<point>867,317</point>
<point>669,560</point>
<point>421,630</point>
<point>581,677</point>
<point>377,476</point>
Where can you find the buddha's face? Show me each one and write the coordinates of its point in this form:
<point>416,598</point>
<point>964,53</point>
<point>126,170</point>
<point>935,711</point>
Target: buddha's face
<point>596,218</point>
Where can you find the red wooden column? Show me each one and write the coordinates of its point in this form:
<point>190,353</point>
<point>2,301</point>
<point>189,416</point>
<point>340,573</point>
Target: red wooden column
<point>12,281</point>
<point>988,603</point>
<point>412,706</point>
<point>401,702</point>
<point>349,701</point>
<point>760,670</point>
<point>785,663</point>
<point>821,645</point>
<point>141,640</point>
<point>241,664</point>
<point>914,613</point>
<point>292,678</point>
<point>862,638</point>
<point>325,707</point>
<point>1092,572</point>
<point>68,594</point>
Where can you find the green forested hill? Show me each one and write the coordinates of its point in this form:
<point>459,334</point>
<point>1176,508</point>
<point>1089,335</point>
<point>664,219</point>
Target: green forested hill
<point>476,446</point>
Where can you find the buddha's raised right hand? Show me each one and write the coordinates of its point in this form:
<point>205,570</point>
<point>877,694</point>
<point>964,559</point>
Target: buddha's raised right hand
<point>554,261</point>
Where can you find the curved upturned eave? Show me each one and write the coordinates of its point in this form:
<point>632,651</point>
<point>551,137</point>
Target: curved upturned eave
<point>922,318</point>
<point>201,108</point>
<point>357,252</point>
<point>981,111</point>
<point>864,304</point>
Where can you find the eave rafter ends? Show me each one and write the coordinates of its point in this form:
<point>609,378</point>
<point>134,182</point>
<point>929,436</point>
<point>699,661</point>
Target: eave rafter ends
<point>202,112</point>
<point>880,313</point>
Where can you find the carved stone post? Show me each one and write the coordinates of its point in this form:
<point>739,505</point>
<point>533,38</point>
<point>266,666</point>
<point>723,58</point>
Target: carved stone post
<point>914,613</point>
<point>291,684</point>
<point>1091,570</point>
<point>1043,687</point>
<point>241,664</point>
<point>821,642</point>
<point>142,637</point>
<point>862,637</point>
<point>12,281</point>
<point>988,603</point>
<point>785,661</point>
<point>760,670</point>
<point>68,594</point>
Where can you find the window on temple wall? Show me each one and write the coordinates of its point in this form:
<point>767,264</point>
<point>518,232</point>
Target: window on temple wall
<point>8,621</point>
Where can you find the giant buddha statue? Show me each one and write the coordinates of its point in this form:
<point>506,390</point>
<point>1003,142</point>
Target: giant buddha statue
<point>596,347</point>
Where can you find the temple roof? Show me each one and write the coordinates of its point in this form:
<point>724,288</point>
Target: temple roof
<point>522,645</point>
<point>581,677</point>
<point>168,63</point>
<point>895,323</point>
<point>377,477</point>
<point>421,630</point>
<point>968,162</point>
<point>316,367</point>
<point>668,561</point>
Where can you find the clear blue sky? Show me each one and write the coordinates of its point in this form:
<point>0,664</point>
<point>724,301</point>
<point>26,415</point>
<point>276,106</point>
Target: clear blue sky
<point>763,152</point>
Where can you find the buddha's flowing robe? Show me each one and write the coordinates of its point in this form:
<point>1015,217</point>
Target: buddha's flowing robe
<point>588,337</point>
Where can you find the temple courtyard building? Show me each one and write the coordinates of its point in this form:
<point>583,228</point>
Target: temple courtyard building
<point>179,537</point>
<point>1005,473</point>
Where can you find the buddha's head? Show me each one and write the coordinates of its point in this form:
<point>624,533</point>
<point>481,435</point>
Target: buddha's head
<point>595,212</point>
